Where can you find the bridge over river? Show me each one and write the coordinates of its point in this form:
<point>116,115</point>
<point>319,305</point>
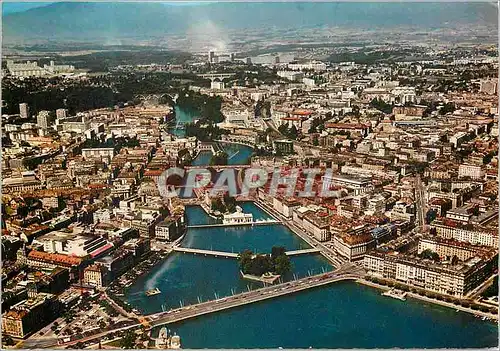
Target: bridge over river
<point>258,222</point>
<point>348,272</point>
<point>235,255</point>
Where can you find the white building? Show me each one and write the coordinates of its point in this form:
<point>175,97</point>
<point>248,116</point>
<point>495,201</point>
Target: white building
<point>237,218</point>
<point>474,235</point>
<point>238,116</point>
<point>61,113</point>
<point>43,119</point>
<point>313,65</point>
<point>472,171</point>
<point>404,95</point>
<point>291,75</point>
<point>24,111</point>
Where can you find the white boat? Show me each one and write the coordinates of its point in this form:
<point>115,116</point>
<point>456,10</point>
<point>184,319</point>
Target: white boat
<point>152,292</point>
<point>396,294</point>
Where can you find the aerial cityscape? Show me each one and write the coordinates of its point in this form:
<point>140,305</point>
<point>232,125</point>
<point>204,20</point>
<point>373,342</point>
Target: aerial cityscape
<point>205,175</point>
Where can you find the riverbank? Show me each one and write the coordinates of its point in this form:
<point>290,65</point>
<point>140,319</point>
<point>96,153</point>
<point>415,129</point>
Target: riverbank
<point>431,300</point>
<point>333,258</point>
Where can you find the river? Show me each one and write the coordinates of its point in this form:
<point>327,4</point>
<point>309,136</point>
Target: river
<point>237,154</point>
<point>342,315</point>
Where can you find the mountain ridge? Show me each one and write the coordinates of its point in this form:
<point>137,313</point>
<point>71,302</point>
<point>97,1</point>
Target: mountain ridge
<point>102,22</point>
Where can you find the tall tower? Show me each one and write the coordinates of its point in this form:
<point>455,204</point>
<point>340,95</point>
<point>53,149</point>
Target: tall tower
<point>211,56</point>
<point>24,110</point>
<point>61,113</point>
<point>43,119</point>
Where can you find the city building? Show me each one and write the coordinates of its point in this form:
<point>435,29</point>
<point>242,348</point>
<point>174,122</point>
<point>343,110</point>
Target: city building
<point>30,315</point>
<point>43,119</point>
<point>170,229</point>
<point>237,218</point>
<point>456,280</point>
<point>24,111</point>
<point>96,275</point>
<point>61,113</point>
<point>283,147</point>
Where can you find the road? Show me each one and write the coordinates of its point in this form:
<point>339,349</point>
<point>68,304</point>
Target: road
<point>348,272</point>
<point>420,202</point>
<point>327,252</point>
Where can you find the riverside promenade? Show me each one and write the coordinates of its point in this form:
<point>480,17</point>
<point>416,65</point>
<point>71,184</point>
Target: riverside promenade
<point>328,253</point>
<point>431,300</point>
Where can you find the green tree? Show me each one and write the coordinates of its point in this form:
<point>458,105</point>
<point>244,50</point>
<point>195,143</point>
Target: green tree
<point>293,133</point>
<point>277,251</point>
<point>282,264</point>
<point>220,158</point>
<point>429,254</point>
<point>128,340</point>
<point>244,260</point>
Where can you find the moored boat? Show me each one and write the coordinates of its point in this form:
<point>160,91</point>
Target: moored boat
<point>152,292</point>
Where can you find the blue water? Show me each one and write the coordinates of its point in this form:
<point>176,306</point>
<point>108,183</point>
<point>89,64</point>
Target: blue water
<point>342,315</point>
<point>202,159</point>
<point>258,238</point>
<point>183,115</point>
<point>185,277</point>
<point>237,155</point>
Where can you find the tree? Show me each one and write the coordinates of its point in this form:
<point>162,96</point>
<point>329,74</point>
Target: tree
<point>429,254</point>
<point>381,105</point>
<point>128,340</point>
<point>244,259</point>
<point>277,251</point>
<point>294,133</point>
<point>315,140</point>
<point>230,203</point>
<point>216,204</point>
<point>448,107</point>
<point>220,158</point>
<point>282,264</point>
<point>430,216</point>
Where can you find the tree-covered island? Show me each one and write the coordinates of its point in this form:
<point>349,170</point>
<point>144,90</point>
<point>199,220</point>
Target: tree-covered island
<point>258,264</point>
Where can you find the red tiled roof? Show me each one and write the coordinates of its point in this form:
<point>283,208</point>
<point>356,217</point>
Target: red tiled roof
<point>54,258</point>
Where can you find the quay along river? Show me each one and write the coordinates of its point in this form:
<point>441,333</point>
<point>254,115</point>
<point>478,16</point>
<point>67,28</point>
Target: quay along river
<point>341,315</point>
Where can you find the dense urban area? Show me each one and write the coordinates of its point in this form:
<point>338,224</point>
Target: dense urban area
<point>407,149</point>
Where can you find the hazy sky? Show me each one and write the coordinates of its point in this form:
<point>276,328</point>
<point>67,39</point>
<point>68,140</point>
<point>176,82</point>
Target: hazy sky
<point>11,7</point>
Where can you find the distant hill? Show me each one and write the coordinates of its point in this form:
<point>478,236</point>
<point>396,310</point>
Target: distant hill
<point>108,22</point>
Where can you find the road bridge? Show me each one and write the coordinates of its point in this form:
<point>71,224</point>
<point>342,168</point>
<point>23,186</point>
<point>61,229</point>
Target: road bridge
<point>214,76</point>
<point>249,297</point>
<point>345,272</point>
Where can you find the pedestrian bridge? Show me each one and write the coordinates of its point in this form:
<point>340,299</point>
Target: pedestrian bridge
<point>235,255</point>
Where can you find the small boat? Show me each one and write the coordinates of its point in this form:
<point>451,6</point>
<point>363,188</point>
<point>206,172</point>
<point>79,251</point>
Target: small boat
<point>153,292</point>
<point>396,294</point>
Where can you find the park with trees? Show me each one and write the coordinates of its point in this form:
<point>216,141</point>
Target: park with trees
<point>276,262</point>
